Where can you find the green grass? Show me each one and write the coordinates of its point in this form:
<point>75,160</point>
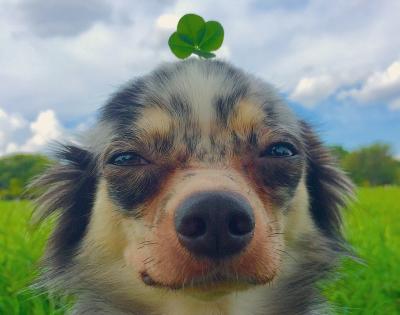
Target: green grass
<point>372,227</point>
<point>20,250</point>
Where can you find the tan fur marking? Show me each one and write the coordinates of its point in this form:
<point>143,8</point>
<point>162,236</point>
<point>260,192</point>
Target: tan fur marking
<point>246,117</point>
<point>154,121</point>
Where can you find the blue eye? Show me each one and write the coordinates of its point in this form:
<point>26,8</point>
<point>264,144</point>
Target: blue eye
<point>280,149</point>
<point>127,159</point>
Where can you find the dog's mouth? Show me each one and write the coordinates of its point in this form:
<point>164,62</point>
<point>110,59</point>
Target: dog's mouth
<point>213,284</point>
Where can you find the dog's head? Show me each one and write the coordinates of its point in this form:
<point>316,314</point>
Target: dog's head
<point>196,178</point>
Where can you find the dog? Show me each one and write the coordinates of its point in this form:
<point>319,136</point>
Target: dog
<point>197,191</point>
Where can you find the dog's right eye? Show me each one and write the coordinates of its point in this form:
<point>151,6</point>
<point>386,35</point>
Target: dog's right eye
<point>127,159</point>
<point>280,150</point>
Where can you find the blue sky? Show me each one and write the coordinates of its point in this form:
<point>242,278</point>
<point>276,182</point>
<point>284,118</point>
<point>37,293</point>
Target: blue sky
<point>337,63</point>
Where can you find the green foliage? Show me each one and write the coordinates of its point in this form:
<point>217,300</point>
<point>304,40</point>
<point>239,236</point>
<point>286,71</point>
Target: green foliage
<point>372,165</point>
<point>371,225</point>
<point>195,36</point>
<point>17,170</point>
<point>339,152</point>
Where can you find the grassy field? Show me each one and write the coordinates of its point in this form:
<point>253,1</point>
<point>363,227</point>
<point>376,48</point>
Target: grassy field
<point>372,224</point>
<point>373,228</point>
<point>20,250</point>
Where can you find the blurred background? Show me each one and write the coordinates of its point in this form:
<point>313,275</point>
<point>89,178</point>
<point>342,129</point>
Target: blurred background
<point>336,63</point>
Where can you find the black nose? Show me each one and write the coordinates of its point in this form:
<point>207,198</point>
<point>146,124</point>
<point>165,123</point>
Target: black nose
<point>214,224</point>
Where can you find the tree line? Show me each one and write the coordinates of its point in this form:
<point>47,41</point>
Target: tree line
<point>371,165</point>
<point>16,171</point>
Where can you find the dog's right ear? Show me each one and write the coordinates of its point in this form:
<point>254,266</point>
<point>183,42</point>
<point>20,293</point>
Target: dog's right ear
<point>67,188</point>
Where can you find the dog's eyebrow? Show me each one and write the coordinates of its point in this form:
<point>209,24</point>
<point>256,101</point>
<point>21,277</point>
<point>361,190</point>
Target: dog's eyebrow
<point>153,121</point>
<point>246,117</point>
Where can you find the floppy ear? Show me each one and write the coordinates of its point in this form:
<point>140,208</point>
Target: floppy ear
<point>68,188</point>
<point>328,186</point>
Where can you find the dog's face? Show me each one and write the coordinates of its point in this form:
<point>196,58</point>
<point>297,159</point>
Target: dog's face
<point>197,178</point>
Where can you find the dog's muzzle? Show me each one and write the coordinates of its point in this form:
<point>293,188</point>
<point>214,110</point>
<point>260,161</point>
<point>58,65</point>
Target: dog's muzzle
<point>214,224</point>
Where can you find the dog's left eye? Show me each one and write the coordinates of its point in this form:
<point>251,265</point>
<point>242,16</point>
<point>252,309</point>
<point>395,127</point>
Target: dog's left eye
<point>280,149</point>
<point>127,159</point>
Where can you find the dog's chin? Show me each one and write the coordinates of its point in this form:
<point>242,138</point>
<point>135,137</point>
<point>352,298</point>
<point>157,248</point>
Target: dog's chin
<point>215,290</point>
<point>208,287</point>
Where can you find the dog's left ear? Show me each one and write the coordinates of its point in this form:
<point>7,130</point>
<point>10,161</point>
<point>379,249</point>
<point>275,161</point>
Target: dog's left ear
<point>328,186</point>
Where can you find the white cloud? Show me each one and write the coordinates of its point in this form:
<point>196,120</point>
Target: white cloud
<point>167,21</point>
<point>17,135</point>
<point>381,86</point>
<point>311,90</point>
<point>44,129</point>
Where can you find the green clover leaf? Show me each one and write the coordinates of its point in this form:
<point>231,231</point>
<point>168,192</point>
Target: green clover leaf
<point>195,36</point>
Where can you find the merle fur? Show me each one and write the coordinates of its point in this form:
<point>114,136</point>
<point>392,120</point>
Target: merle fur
<point>69,187</point>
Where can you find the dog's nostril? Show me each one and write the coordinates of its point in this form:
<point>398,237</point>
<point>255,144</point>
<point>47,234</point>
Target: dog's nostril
<point>240,225</point>
<point>192,227</point>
